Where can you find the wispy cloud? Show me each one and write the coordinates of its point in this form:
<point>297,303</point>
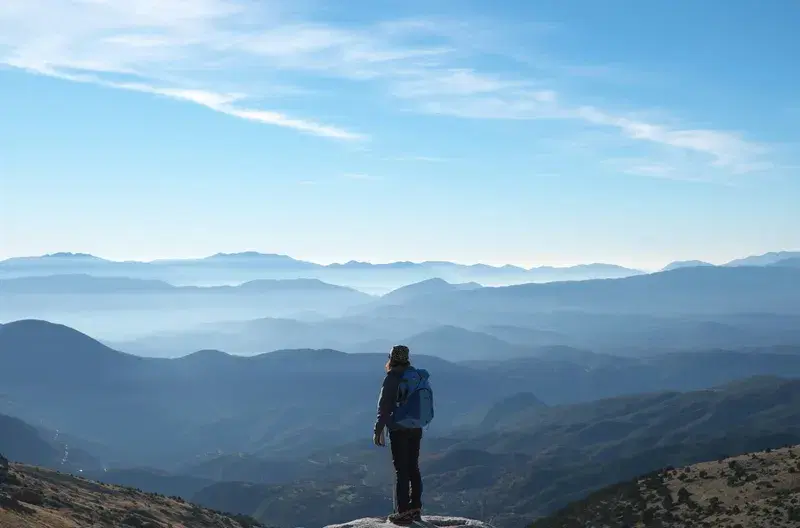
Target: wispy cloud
<point>226,54</point>
<point>165,44</point>
<point>219,102</point>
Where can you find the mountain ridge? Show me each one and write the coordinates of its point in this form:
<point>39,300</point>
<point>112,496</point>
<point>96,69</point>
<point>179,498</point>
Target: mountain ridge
<point>86,283</point>
<point>753,489</point>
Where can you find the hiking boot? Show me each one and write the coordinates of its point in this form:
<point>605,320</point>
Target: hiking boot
<point>402,519</point>
<point>416,514</point>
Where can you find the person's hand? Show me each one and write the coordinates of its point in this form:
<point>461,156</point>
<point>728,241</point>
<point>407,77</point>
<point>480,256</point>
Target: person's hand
<point>379,439</point>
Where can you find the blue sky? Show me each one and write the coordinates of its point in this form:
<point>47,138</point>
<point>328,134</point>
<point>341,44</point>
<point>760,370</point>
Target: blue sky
<point>526,132</point>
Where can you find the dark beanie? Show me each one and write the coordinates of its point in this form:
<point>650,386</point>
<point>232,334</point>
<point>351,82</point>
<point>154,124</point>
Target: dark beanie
<point>399,354</point>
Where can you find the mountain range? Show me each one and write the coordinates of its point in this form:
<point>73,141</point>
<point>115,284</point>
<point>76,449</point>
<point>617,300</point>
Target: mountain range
<point>258,396</point>
<point>233,268</point>
<point>481,474</point>
<point>511,475</point>
<point>514,439</point>
<point>268,263</point>
<point>687,307</point>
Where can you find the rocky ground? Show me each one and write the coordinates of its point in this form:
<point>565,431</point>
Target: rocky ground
<point>32,497</point>
<point>429,521</point>
<point>757,490</point>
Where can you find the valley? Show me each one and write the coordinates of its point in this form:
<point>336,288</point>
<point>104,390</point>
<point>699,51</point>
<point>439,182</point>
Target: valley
<point>545,393</point>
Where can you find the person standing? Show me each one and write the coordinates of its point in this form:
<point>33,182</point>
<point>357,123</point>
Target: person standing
<point>405,406</point>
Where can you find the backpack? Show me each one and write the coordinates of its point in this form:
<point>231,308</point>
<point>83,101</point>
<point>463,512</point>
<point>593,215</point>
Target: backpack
<point>414,400</point>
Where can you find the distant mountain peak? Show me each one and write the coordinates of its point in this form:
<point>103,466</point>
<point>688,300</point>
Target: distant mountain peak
<point>764,260</point>
<point>67,254</point>
<point>55,345</point>
<point>290,284</point>
<point>429,286</point>
<point>248,255</point>
<point>206,355</point>
<point>685,264</point>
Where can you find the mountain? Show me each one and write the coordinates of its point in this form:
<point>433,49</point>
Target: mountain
<point>524,336</point>
<point>764,260</point>
<point>696,290</point>
<point>523,402</point>
<point>24,443</point>
<point>581,272</point>
<point>204,403</point>
<point>539,459</point>
<point>40,498</point>
<point>115,307</point>
<point>793,262</point>
<point>231,268</point>
<point>685,264</point>
<point>247,259</point>
<point>457,344</point>
<point>256,336</point>
<point>451,343</point>
<point>574,377</point>
<point>754,489</point>
<point>681,308</point>
<point>210,402</point>
<point>83,283</point>
<point>54,260</point>
<point>80,284</point>
<point>426,287</point>
<point>553,333</point>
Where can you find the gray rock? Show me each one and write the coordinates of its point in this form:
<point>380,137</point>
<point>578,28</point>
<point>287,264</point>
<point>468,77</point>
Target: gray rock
<point>434,520</point>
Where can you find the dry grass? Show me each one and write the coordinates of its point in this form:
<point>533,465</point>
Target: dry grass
<point>757,490</point>
<point>32,497</point>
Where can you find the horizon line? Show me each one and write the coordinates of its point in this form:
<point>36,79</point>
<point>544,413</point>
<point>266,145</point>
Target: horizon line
<point>80,254</point>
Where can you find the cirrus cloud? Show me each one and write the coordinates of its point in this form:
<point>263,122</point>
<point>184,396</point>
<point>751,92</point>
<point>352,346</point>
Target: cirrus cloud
<point>227,54</point>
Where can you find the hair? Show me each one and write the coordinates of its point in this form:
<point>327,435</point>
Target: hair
<point>392,363</point>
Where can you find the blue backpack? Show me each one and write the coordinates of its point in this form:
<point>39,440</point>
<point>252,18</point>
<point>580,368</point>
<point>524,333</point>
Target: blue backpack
<point>414,400</point>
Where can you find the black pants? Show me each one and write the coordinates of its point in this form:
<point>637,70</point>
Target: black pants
<point>405,457</point>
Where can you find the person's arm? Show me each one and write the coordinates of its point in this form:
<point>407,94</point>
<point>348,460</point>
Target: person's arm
<point>387,401</point>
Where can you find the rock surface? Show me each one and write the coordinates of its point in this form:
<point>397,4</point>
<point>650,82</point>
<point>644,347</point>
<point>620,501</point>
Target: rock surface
<point>435,520</point>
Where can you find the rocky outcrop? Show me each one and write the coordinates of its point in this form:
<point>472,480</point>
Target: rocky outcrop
<point>428,520</point>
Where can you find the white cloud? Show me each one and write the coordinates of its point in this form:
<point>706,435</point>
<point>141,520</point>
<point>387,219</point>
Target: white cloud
<point>220,102</point>
<point>153,40</point>
<point>727,150</point>
<point>451,82</point>
<point>224,54</point>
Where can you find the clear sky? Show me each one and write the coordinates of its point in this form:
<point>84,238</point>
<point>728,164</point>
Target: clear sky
<point>527,131</point>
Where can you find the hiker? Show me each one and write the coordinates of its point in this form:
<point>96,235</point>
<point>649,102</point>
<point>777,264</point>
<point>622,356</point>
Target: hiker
<point>405,406</point>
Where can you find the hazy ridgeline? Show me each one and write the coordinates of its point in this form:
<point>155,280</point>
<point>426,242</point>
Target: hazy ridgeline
<point>132,305</point>
<point>264,390</point>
